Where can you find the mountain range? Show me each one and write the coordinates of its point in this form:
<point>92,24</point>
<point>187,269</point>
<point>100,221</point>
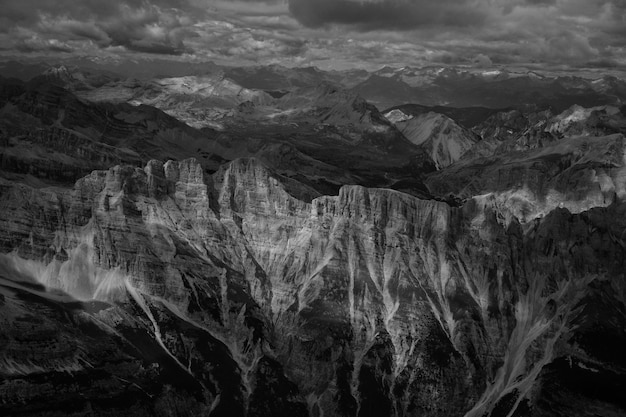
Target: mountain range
<point>268,241</point>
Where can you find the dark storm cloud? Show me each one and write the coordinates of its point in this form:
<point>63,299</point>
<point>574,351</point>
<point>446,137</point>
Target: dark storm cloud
<point>153,27</point>
<point>296,32</point>
<point>386,14</point>
<point>148,29</point>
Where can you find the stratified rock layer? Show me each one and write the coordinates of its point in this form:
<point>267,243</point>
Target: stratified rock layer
<point>192,294</point>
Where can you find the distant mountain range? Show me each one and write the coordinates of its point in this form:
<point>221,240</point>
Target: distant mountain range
<point>492,89</point>
<point>385,88</point>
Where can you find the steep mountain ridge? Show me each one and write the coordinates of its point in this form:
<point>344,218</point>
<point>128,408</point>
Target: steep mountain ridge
<point>578,173</point>
<point>515,130</point>
<point>371,302</point>
<point>52,135</point>
<point>444,140</point>
<point>333,107</point>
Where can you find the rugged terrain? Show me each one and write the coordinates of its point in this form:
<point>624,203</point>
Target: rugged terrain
<point>495,89</point>
<point>371,302</point>
<point>445,141</point>
<point>49,134</point>
<point>313,263</point>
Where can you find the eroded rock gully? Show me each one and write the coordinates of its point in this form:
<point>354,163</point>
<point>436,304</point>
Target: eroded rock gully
<point>165,291</point>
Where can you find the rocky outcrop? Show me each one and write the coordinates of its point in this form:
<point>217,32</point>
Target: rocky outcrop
<point>595,121</point>
<point>576,173</point>
<point>511,130</point>
<point>444,140</point>
<point>223,291</point>
<point>515,130</point>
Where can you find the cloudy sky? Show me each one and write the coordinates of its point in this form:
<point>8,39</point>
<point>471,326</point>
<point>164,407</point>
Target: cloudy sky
<point>325,33</point>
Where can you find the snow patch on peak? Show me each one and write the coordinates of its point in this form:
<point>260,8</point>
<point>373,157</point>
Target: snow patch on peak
<point>397,115</point>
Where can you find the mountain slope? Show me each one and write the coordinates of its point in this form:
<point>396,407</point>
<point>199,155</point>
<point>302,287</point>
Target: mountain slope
<point>443,139</point>
<point>515,130</point>
<point>306,259</point>
<point>576,173</point>
<point>595,121</point>
<point>367,303</point>
<point>199,101</point>
<point>52,136</point>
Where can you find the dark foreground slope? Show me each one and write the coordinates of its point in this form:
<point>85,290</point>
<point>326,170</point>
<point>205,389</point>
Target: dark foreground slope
<point>165,291</point>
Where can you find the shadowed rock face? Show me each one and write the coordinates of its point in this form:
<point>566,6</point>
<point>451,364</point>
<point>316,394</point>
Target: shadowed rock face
<point>227,295</point>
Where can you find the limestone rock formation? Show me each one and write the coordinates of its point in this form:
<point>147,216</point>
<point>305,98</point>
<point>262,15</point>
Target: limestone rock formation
<point>230,294</point>
<point>304,258</point>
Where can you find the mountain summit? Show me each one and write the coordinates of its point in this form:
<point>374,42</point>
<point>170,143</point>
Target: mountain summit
<point>444,140</point>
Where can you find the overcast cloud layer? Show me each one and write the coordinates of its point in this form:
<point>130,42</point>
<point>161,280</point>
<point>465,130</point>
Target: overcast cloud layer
<point>326,33</point>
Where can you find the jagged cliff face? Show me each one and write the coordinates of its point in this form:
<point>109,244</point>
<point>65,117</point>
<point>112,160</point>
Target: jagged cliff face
<point>187,293</point>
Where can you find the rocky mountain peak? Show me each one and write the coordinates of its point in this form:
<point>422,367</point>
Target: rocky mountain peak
<point>440,136</point>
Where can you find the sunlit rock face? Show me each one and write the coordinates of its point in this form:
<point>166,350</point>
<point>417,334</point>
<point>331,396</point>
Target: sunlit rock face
<point>244,293</point>
<point>444,140</point>
<point>576,173</point>
<point>515,130</point>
